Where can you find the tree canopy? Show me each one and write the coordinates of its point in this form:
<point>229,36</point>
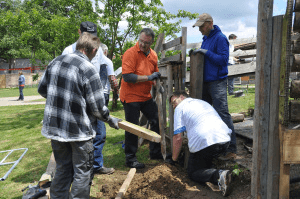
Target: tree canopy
<point>41,29</point>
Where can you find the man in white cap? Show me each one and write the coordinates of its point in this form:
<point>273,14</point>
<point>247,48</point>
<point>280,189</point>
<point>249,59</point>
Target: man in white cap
<point>215,48</point>
<point>100,138</point>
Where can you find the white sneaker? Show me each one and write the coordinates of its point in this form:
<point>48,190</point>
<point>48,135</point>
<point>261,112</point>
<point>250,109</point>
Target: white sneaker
<point>224,182</point>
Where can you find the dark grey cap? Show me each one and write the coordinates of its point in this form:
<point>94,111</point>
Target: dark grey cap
<point>89,27</point>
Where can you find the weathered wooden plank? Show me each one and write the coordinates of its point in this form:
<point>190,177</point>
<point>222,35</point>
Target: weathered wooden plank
<point>126,184</point>
<point>297,6</point>
<point>296,63</point>
<point>183,57</point>
<point>161,119</point>
<point>140,131</point>
<point>171,58</point>
<point>259,180</point>
<point>294,111</point>
<point>291,147</point>
<point>247,46</point>
<point>171,111</point>
<point>159,42</point>
<point>172,43</point>
<point>196,75</point>
<point>238,70</point>
<point>242,54</point>
<point>295,89</point>
<point>296,47</point>
<point>284,182</point>
<point>236,117</point>
<point>47,176</point>
<point>232,42</point>
<point>273,142</point>
<point>296,27</point>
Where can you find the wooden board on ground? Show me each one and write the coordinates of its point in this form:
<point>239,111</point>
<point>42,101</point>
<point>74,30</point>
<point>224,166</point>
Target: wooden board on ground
<point>140,131</point>
<point>126,183</point>
<point>47,176</point>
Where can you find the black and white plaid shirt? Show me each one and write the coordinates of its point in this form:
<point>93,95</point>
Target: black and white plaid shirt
<point>75,98</point>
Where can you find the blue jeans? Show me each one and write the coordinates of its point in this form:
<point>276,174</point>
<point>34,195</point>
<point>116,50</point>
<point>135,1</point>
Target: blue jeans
<point>99,140</point>
<point>21,97</point>
<point>230,85</point>
<point>74,165</point>
<point>200,164</point>
<point>215,93</point>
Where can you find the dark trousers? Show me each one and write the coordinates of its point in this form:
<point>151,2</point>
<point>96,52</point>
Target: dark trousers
<point>132,115</point>
<point>74,165</point>
<point>200,164</point>
<point>215,93</point>
<point>99,140</point>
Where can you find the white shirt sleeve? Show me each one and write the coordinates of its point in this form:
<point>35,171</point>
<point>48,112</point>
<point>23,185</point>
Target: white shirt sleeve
<point>98,59</point>
<point>179,126</point>
<point>110,67</point>
<point>70,49</point>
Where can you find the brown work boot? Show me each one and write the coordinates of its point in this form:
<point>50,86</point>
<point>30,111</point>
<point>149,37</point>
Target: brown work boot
<point>227,156</point>
<point>104,170</point>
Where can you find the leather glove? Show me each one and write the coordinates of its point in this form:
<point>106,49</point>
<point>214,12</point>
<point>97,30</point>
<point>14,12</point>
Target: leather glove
<point>154,76</point>
<point>191,52</point>
<point>113,122</point>
<point>201,50</point>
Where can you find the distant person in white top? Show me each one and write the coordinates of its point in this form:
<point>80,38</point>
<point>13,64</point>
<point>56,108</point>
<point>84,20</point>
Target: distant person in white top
<point>208,137</point>
<point>111,80</point>
<point>231,61</point>
<point>99,59</point>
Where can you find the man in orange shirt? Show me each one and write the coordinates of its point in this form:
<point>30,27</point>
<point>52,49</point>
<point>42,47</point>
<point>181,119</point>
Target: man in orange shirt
<point>139,69</point>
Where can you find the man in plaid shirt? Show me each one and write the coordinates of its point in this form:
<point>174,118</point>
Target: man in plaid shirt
<point>75,99</point>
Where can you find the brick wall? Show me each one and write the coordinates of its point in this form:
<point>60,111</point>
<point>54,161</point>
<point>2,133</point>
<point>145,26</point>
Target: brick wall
<point>11,80</point>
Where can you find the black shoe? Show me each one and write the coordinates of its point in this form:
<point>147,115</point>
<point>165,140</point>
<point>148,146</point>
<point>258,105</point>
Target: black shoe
<point>136,165</point>
<point>104,170</point>
<point>156,157</point>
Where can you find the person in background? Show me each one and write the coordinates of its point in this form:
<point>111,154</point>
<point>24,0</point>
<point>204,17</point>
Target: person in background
<point>111,80</point>
<point>75,99</point>
<point>208,137</point>
<point>100,138</point>
<point>139,69</point>
<point>231,61</point>
<point>215,48</point>
<point>21,86</point>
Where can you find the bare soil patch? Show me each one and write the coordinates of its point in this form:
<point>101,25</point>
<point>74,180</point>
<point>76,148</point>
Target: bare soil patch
<point>162,181</point>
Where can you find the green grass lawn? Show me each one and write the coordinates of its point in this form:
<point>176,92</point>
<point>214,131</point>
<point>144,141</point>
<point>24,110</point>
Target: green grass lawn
<point>14,92</point>
<point>21,128</point>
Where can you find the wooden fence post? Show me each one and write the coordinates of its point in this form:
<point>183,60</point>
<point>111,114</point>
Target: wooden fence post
<point>259,178</point>
<point>274,142</point>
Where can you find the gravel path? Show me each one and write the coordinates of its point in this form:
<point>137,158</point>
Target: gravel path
<point>29,100</point>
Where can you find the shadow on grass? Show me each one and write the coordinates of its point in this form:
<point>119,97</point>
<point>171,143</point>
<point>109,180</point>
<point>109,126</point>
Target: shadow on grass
<point>29,119</point>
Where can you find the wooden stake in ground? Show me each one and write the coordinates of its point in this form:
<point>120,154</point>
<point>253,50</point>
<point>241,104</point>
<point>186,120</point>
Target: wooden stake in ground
<point>126,183</point>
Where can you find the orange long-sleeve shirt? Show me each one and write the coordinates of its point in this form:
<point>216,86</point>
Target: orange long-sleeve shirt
<point>135,61</point>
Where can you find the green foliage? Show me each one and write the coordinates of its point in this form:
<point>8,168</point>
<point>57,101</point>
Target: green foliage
<point>236,170</point>
<point>35,77</point>
<point>136,15</point>
<point>39,29</point>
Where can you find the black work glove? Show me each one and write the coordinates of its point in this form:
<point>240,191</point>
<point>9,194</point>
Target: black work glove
<point>154,76</point>
<point>113,122</point>
<point>201,50</point>
<point>191,52</point>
